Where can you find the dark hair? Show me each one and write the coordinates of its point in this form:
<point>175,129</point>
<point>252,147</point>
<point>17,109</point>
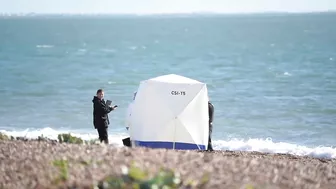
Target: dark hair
<point>100,90</point>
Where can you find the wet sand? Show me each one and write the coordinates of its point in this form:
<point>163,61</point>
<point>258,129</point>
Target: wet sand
<point>29,164</point>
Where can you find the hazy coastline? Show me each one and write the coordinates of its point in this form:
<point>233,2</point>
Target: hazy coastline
<point>186,14</point>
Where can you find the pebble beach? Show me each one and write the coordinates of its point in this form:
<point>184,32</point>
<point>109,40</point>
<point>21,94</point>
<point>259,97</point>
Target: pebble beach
<point>32,164</point>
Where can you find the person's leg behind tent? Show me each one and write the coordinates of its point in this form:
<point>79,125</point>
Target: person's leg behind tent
<point>210,142</point>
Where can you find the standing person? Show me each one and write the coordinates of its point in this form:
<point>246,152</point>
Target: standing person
<point>211,111</point>
<point>100,115</point>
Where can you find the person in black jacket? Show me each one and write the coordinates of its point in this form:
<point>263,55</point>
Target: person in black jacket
<point>211,112</point>
<point>100,115</point>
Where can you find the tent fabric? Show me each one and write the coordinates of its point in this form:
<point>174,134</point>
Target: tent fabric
<point>128,116</point>
<point>170,145</point>
<point>129,112</point>
<point>170,111</point>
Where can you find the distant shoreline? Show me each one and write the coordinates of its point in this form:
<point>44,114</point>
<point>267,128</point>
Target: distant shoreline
<point>191,14</point>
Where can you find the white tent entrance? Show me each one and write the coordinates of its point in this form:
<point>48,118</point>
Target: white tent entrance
<point>170,111</point>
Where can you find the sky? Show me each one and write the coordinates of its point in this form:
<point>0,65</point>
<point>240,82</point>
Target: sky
<point>164,6</point>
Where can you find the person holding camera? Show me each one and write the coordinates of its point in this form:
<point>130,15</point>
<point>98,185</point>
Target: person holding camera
<point>100,115</point>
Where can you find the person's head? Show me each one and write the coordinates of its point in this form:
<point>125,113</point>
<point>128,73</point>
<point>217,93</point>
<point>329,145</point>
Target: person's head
<point>100,93</point>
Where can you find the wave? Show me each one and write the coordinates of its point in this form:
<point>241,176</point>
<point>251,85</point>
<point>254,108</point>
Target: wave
<point>259,145</point>
<point>268,146</point>
<point>44,46</point>
<point>114,138</point>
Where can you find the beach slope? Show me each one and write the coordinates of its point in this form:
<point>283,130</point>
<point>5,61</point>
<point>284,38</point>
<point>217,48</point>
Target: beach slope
<point>42,164</point>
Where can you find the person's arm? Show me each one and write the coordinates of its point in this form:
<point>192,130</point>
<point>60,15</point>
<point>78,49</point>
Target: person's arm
<point>101,110</point>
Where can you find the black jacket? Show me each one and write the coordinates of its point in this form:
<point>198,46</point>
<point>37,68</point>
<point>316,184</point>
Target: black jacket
<point>100,113</point>
<point>211,111</point>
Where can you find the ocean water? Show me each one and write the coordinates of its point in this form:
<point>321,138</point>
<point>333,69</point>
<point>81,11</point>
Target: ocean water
<point>271,78</point>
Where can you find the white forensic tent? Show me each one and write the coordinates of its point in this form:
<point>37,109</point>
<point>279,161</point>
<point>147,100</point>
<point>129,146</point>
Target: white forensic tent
<point>129,113</point>
<point>170,111</point>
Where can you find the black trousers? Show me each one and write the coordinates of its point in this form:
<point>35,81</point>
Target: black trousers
<point>103,135</point>
<point>209,142</point>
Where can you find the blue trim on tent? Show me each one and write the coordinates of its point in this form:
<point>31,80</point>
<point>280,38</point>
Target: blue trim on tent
<point>169,145</point>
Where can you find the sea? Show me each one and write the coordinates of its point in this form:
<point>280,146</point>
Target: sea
<point>270,77</point>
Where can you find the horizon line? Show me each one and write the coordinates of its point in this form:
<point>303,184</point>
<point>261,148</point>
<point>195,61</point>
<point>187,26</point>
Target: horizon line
<point>164,13</point>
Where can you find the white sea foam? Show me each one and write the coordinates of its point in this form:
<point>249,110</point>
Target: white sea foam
<point>44,46</point>
<point>259,145</point>
<point>82,50</point>
<point>267,145</point>
<point>108,50</point>
<point>133,47</point>
<point>52,134</point>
